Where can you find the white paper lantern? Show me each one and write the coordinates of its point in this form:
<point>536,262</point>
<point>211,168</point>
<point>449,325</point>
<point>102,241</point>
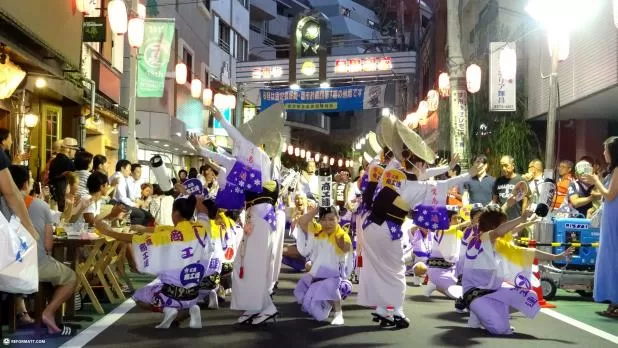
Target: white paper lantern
<point>473,78</point>
<point>302,153</point>
<point>340,163</point>
<point>231,101</point>
<point>325,159</point>
<point>290,150</point>
<point>422,110</point>
<point>207,97</point>
<point>31,120</point>
<point>141,11</point>
<point>284,147</point>
<point>196,88</point>
<point>560,38</point>
<point>331,161</point>
<point>347,163</point>
<point>412,120</point>
<point>444,84</point>
<point>219,101</point>
<point>317,157</point>
<point>433,100</point>
<point>181,73</point>
<point>296,152</point>
<point>117,12</point>
<point>508,63</point>
<point>308,156</point>
<point>136,32</point>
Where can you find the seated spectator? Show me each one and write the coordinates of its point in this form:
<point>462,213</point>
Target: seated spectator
<point>582,196</point>
<point>50,270</point>
<point>97,187</point>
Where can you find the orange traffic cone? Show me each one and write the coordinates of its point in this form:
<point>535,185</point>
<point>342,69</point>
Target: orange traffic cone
<point>538,289</point>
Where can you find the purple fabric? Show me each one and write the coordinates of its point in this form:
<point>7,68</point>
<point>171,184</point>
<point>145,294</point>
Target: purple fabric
<point>395,230</point>
<point>297,264</point>
<point>442,278</point>
<point>271,218</point>
<point>231,197</point>
<point>421,245</point>
<point>152,294</point>
<point>432,217</point>
<point>493,310</point>
<point>468,235</point>
<point>245,177</point>
<point>364,181</point>
<point>314,296</point>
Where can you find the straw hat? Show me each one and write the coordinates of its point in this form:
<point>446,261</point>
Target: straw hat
<point>265,129</point>
<point>373,142</point>
<point>70,143</point>
<point>414,143</point>
<point>389,135</point>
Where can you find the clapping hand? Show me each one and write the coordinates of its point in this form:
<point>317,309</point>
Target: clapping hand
<point>215,112</point>
<point>567,253</point>
<point>590,179</point>
<point>454,161</point>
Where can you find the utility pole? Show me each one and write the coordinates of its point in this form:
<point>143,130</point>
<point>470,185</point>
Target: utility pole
<point>550,144</point>
<point>459,94</point>
<point>131,136</point>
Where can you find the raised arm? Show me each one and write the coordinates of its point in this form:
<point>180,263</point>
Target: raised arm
<point>305,220</point>
<point>225,161</point>
<point>231,130</point>
<point>508,226</point>
<point>609,193</point>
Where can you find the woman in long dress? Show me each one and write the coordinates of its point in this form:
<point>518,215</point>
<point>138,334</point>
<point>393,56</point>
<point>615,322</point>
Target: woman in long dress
<point>606,272</point>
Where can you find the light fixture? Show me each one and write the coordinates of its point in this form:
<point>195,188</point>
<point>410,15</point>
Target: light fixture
<point>166,145</point>
<point>136,32</point>
<point>155,141</point>
<point>290,150</point>
<point>444,84</point>
<point>117,13</point>
<point>308,155</point>
<point>317,157</point>
<point>84,6</point>
<point>422,110</point>
<point>184,151</point>
<point>302,153</point>
<point>473,78</point>
<point>560,38</point>
<point>31,120</point>
<point>360,159</point>
<point>196,88</point>
<point>295,86</point>
<point>181,73</point>
<point>340,163</point>
<point>296,152</point>
<point>325,84</point>
<point>207,97</point>
<point>178,134</point>
<point>40,83</point>
<point>312,31</point>
<point>347,163</point>
<point>12,76</point>
<point>325,159</point>
<point>386,112</point>
<point>358,146</point>
<point>433,100</point>
<point>308,68</point>
<point>141,11</point>
<point>508,63</point>
<point>115,129</point>
<point>331,161</point>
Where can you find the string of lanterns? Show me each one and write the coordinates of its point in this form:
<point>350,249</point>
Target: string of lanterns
<point>316,156</point>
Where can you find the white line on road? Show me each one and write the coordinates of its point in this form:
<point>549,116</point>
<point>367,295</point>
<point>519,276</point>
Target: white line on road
<point>578,324</point>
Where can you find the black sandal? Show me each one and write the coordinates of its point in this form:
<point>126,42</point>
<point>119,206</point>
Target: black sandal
<point>66,331</point>
<point>610,312</point>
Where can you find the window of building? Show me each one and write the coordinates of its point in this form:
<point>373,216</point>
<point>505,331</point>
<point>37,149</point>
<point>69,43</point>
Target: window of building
<point>345,12</point>
<point>241,49</point>
<point>244,3</point>
<point>187,58</point>
<point>206,4</point>
<point>224,36</point>
<point>371,24</point>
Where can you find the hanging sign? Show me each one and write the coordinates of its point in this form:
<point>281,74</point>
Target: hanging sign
<point>94,29</point>
<point>502,95</point>
<point>154,55</point>
<point>325,99</point>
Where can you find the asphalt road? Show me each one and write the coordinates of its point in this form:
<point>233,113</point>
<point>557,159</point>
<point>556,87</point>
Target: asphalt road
<point>434,324</point>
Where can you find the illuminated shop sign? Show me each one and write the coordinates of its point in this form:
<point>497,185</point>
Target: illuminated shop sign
<point>355,65</point>
<point>267,72</point>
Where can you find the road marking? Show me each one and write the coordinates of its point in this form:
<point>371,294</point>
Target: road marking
<point>99,326</point>
<point>578,324</point>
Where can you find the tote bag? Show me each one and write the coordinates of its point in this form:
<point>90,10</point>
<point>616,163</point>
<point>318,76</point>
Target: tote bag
<point>19,271</point>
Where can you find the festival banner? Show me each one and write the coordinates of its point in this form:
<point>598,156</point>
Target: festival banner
<point>325,99</point>
<point>154,55</point>
<point>502,92</point>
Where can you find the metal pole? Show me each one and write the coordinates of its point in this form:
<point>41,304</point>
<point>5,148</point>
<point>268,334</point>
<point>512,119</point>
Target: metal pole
<point>131,137</point>
<point>550,142</point>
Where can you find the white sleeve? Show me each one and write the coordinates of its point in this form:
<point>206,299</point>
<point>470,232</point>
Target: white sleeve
<point>454,181</point>
<point>225,161</point>
<point>305,242</point>
<point>435,171</point>
<point>232,131</point>
<point>121,192</point>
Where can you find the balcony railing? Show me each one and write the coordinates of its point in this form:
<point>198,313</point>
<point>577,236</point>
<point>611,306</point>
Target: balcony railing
<point>225,46</point>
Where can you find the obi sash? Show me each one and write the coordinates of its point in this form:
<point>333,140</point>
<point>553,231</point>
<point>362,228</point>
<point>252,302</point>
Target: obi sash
<point>439,263</point>
<point>394,227</point>
<point>431,217</point>
<point>180,293</point>
<point>473,294</point>
<point>271,218</point>
<point>245,177</point>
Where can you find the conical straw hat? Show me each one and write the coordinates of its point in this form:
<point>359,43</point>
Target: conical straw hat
<point>368,158</point>
<point>374,144</point>
<point>390,136</point>
<point>265,129</point>
<point>415,143</point>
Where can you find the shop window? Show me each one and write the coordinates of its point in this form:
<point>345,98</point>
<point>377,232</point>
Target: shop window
<point>224,36</point>
<point>52,126</point>
<point>187,58</point>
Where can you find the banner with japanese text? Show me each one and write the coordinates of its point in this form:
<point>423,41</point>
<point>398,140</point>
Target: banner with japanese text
<point>502,92</point>
<point>154,55</point>
<point>325,99</point>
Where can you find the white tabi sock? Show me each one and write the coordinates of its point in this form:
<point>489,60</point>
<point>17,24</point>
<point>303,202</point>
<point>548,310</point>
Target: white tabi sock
<point>338,319</point>
<point>399,312</point>
<point>382,311</point>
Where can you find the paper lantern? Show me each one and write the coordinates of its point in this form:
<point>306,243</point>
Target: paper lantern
<point>317,157</point>
<point>347,163</point>
<point>444,84</point>
<point>84,6</point>
<point>196,88</point>
<point>302,153</point>
<point>473,78</point>
<point>325,159</point>
<point>284,147</point>
<point>433,100</point>
<point>340,163</point>
<point>181,73</point>
<point>231,101</point>
<point>423,110</point>
<point>508,63</point>
<point>207,97</point>
<point>360,159</point>
<point>412,120</point>
<point>560,38</point>
<point>308,156</point>
<point>296,152</point>
<point>117,13</point>
<point>136,32</point>
<point>141,11</point>
<point>290,150</point>
<point>331,161</point>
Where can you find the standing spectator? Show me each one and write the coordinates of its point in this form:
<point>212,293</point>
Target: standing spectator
<point>83,168</point>
<point>565,171</point>
<point>479,189</point>
<point>504,186</point>
<point>581,195</point>
<point>534,177</point>
<point>56,147</point>
<point>62,163</point>
<point>606,272</point>
<point>50,270</point>
<point>455,192</point>
<point>6,143</point>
